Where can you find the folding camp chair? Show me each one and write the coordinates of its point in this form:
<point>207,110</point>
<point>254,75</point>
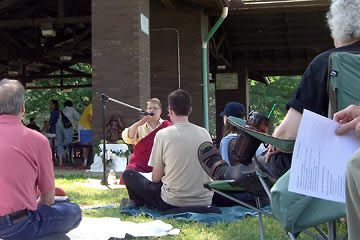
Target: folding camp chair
<point>344,89</point>
<point>227,187</point>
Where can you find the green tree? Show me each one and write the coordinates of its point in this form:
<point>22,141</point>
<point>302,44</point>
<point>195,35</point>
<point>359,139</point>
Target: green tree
<point>212,110</point>
<point>37,100</point>
<point>262,97</point>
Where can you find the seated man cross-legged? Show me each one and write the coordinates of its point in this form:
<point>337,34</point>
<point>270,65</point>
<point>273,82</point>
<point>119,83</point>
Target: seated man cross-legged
<point>142,134</point>
<point>25,166</point>
<point>177,177</point>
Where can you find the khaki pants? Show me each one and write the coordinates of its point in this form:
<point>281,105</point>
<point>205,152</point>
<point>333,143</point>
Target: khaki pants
<point>353,196</point>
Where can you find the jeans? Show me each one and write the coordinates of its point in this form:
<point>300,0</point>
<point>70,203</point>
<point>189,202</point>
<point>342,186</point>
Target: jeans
<point>63,137</point>
<point>58,218</point>
<point>143,191</point>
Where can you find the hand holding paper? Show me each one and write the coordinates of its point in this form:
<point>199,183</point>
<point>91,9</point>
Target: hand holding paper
<point>320,156</point>
<point>349,119</point>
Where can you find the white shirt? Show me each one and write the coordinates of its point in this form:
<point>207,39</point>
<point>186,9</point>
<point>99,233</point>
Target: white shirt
<point>70,113</point>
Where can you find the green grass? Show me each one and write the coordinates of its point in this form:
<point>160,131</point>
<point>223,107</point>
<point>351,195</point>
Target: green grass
<point>243,229</point>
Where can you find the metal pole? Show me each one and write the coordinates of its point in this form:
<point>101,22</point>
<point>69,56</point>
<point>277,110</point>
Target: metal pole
<point>205,64</point>
<point>104,100</point>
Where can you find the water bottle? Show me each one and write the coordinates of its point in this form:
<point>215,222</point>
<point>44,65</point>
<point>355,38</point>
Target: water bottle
<point>246,145</point>
<point>111,177</point>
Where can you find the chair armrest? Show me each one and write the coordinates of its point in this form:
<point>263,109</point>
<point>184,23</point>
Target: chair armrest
<point>223,185</point>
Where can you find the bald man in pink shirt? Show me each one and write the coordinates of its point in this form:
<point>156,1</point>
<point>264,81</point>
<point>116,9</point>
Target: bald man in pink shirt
<point>25,165</point>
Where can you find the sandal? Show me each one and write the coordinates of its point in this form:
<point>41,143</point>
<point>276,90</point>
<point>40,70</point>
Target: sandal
<point>210,159</point>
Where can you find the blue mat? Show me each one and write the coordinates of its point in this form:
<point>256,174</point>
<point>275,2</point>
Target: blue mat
<point>229,214</point>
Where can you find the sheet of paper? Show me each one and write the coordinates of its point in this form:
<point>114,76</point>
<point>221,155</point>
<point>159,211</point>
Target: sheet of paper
<point>320,157</point>
<point>105,228</point>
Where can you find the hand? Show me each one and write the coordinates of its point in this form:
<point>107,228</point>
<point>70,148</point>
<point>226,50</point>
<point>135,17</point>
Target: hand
<point>349,119</point>
<point>271,150</point>
<point>144,120</point>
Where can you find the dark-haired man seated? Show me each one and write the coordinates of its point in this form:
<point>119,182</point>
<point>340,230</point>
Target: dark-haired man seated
<point>177,177</point>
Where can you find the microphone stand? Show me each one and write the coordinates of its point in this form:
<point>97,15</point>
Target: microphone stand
<point>104,99</point>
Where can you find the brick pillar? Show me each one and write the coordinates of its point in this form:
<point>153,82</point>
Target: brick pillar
<point>120,58</point>
<point>189,23</point>
<point>234,95</point>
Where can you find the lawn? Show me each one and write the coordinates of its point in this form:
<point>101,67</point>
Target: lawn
<point>243,229</point>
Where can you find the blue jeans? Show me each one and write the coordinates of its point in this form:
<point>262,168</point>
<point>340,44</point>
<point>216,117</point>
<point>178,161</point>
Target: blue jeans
<point>58,218</point>
<point>63,138</point>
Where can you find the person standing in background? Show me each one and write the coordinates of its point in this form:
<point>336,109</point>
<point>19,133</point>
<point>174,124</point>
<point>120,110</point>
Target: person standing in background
<point>64,135</point>
<point>85,123</point>
<point>54,115</point>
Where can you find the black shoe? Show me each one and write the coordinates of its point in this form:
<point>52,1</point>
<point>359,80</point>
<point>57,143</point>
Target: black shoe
<point>276,167</point>
<point>248,180</point>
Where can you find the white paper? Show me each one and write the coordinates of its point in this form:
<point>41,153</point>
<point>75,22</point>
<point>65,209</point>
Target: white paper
<point>319,161</point>
<point>105,228</point>
<point>148,176</point>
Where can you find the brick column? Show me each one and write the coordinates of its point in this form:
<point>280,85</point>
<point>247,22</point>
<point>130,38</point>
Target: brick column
<point>190,24</point>
<point>120,58</point>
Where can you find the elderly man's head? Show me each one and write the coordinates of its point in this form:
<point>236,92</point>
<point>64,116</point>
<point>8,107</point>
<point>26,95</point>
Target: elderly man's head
<point>344,21</point>
<point>11,97</point>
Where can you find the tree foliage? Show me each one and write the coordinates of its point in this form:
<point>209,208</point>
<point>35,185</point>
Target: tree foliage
<point>212,110</point>
<point>37,100</point>
<point>262,99</point>
<point>280,91</point>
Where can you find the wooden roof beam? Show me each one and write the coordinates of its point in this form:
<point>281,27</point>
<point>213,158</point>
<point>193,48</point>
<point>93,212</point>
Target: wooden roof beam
<point>62,87</point>
<point>259,10</point>
<point>170,4</point>
<point>68,69</point>
<point>248,4</point>
<point>7,3</point>
<point>37,22</point>
<point>257,77</point>
<point>316,45</point>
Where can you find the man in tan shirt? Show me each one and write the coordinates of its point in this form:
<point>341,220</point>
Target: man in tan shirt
<point>177,177</point>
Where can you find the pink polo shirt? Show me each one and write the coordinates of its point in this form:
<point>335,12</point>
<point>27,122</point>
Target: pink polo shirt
<point>25,164</point>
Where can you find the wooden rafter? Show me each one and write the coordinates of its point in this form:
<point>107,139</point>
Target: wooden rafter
<point>251,4</point>
<point>8,3</point>
<point>68,69</point>
<point>71,45</point>
<point>62,86</point>
<point>13,42</point>
<point>39,21</point>
<point>170,4</point>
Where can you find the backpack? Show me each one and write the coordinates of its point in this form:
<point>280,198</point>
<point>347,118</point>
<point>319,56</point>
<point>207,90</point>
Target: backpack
<point>65,121</point>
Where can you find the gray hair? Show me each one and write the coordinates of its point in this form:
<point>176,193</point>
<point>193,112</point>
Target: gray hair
<point>344,20</point>
<point>11,97</point>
